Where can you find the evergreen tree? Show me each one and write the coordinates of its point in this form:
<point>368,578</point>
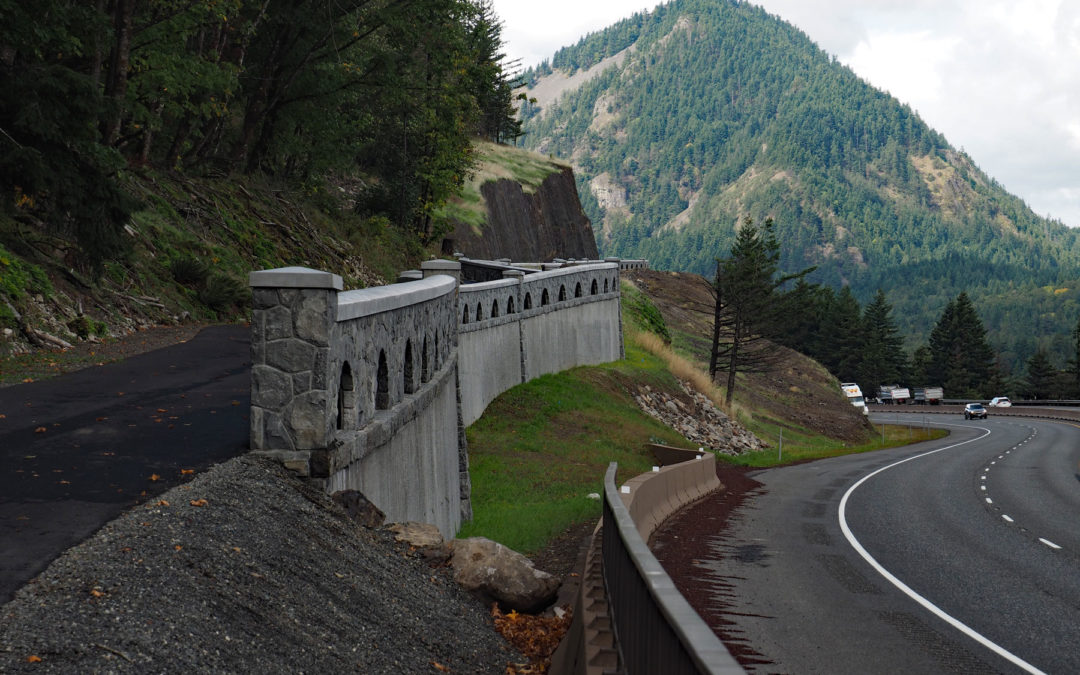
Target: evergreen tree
<point>921,360</point>
<point>841,337</point>
<point>961,357</point>
<point>1041,374</point>
<point>747,313</point>
<point>882,355</point>
<point>1073,366</point>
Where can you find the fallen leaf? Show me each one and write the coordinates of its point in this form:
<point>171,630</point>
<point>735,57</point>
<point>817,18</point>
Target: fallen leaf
<point>119,393</point>
<point>40,430</point>
<point>440,667</point>
<point>96,592</point>
<point>162,410</point>
<point>33,658</point>
<point>155,477</point>
<point>178,547</point>
<point>199,502</point>
<point>3,416</point>
<point>186,472</point>
<point>65,482</point>
<point>102,419</point>
<point>236,402</point>
<point>28,380</point>
<point>163,503</point>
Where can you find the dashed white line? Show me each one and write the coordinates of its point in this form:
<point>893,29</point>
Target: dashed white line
<point>989,501</point>
<point>1007,518</point>
<point>1050,543</point>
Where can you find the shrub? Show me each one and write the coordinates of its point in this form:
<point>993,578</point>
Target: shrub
<point>223,292</point>
<point>189,271</point>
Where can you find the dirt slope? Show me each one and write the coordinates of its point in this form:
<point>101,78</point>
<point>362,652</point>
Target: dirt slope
<point>798,392</point>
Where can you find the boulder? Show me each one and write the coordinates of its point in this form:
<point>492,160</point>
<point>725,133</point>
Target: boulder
<point>495,573</point>
<point>426,539</point>
<point>359,508</point>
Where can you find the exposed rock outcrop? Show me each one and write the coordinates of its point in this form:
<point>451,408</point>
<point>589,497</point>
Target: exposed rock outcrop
<point>698,420</point>
<point>546,224</point>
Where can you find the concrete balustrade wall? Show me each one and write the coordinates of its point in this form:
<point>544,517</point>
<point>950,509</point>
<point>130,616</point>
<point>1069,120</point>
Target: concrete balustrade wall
<point>526,325</point>
<point>371,389</point>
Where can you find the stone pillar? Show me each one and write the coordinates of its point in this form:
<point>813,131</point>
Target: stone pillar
<point>449,267</point>
<point>294,310</point>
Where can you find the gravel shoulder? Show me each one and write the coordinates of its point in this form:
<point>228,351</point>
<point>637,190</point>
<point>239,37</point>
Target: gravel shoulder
<point>245,568</point>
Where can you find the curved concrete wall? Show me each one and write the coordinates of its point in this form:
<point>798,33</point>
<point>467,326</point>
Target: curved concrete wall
<point>526,325</point>
<point>372,389</point>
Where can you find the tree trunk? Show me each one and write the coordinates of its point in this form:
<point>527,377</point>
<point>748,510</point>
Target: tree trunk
<point>119,63</point>
<point>714,355</point>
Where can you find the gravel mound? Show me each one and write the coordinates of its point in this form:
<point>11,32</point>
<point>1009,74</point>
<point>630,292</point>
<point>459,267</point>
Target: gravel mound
<point>245,569</point>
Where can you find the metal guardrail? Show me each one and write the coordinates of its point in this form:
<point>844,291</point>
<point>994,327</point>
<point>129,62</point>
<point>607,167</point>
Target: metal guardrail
<point>656,629</point>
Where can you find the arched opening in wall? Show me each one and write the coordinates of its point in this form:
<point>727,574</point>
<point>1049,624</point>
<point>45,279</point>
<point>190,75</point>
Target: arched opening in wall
<point>510,305</point>
<point>528,301</point>
<point>494,308</point>
<point>479,312</point>
<point>382,384</point>
<point>465,315</point>
<point>605,285</point>
<point>595,287</point>
<point>577,290</point>
<point>410,382</point>
<point>614,284</point>
<point>425,365</point>
<point>346,403</point>
<point>544,299</point>
<point>562,293</point>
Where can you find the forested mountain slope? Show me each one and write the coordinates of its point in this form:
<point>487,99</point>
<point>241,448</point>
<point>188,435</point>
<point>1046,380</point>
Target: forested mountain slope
<point>715,110</point>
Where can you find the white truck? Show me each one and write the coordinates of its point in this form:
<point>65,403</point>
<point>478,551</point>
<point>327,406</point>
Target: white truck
<point>893,393</point>
<point>928,395</point>
<point>854,394</point>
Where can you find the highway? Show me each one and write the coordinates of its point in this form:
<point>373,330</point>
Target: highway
<point>960,555</point>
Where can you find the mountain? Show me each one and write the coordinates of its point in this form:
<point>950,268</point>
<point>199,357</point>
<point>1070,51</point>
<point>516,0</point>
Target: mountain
<point>683,121</point>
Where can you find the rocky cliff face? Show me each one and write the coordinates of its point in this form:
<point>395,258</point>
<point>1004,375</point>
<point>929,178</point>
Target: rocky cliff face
<point>549,223</point>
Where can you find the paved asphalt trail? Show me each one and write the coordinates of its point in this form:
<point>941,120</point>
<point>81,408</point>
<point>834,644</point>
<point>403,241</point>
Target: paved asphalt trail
<point>79,449</point>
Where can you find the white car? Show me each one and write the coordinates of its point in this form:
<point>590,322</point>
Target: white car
<point>1000,402</point>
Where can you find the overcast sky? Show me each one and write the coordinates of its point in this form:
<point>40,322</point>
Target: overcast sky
<point>999,78</point>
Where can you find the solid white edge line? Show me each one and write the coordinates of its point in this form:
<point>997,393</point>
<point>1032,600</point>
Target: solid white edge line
<point>1050,543</point>
<point>904,588</point>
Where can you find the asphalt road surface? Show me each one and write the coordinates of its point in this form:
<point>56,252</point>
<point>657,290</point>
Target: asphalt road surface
<point>78,449</point>
<point>957,556</point>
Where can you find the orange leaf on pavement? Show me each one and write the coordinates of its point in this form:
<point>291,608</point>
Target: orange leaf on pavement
<point>199,502</point>
<point>186,472</point>
<point>155,477</point>
<point>40,430</point>
<point>33,658</point>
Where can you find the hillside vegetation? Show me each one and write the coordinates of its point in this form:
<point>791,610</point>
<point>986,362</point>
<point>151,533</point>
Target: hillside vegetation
<point>151,154</point>
<point>702,112</point>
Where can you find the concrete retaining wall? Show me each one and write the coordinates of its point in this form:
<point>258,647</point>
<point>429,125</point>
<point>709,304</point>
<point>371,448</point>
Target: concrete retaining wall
<point>526,325</point>
<point>372,389</point>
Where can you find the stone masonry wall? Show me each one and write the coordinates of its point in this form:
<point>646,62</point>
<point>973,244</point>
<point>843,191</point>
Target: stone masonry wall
<point>372,389</point>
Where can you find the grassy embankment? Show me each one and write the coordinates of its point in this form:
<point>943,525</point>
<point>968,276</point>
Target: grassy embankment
<point>542,447</point>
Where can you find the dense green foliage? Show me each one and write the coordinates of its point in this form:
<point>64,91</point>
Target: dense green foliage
<point>722,111</point>
<point>388,90</point>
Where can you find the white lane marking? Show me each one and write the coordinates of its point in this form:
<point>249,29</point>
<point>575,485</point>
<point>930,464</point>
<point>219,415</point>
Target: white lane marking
<point>982,487</point>
<point>1007,518</point>
<point>904,588</point>
<point>1049,543</point>
<point>989,501</point>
